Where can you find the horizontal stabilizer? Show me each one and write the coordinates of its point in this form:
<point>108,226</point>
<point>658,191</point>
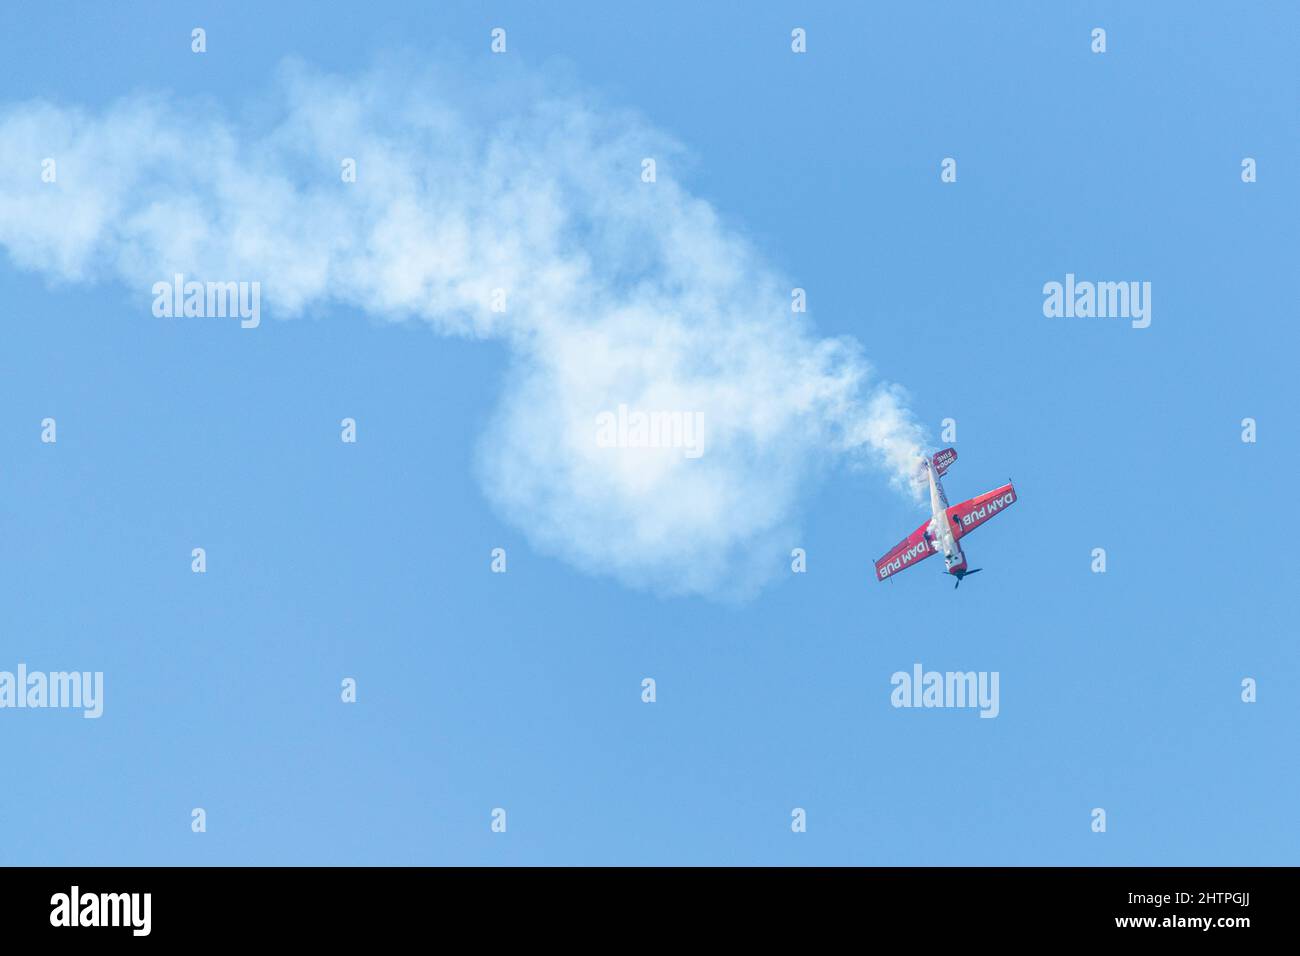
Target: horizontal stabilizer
<point>942,460</point>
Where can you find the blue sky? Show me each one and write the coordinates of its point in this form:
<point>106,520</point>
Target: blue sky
<point>522,691</point>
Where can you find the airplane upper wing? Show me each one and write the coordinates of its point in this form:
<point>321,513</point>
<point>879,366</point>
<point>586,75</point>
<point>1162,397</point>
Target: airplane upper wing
<point>915,547</point>
<point>969,515</point>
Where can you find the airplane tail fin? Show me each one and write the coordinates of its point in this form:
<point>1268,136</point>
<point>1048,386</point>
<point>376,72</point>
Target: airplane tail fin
<point>943,460</point>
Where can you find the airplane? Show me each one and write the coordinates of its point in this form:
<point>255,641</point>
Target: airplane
<point>947,525</point>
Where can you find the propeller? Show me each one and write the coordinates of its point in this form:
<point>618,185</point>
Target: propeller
<point>963,574</point>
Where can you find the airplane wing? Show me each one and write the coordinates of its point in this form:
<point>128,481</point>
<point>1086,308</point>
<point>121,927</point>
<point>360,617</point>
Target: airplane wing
<point>969,515</point>
<point>915,547</point>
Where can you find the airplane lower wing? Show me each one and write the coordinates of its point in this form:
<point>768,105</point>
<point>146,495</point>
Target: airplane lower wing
<point>912,549</point>
<point>969,515</point>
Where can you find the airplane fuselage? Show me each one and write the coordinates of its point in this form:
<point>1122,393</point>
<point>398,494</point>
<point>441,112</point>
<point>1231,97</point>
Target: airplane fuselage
<point>941,533</point>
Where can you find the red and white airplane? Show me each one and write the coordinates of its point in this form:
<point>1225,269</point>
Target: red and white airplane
<point>947,525</point>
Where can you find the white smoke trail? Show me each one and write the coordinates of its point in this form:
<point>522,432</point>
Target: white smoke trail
<point>617,292</point>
